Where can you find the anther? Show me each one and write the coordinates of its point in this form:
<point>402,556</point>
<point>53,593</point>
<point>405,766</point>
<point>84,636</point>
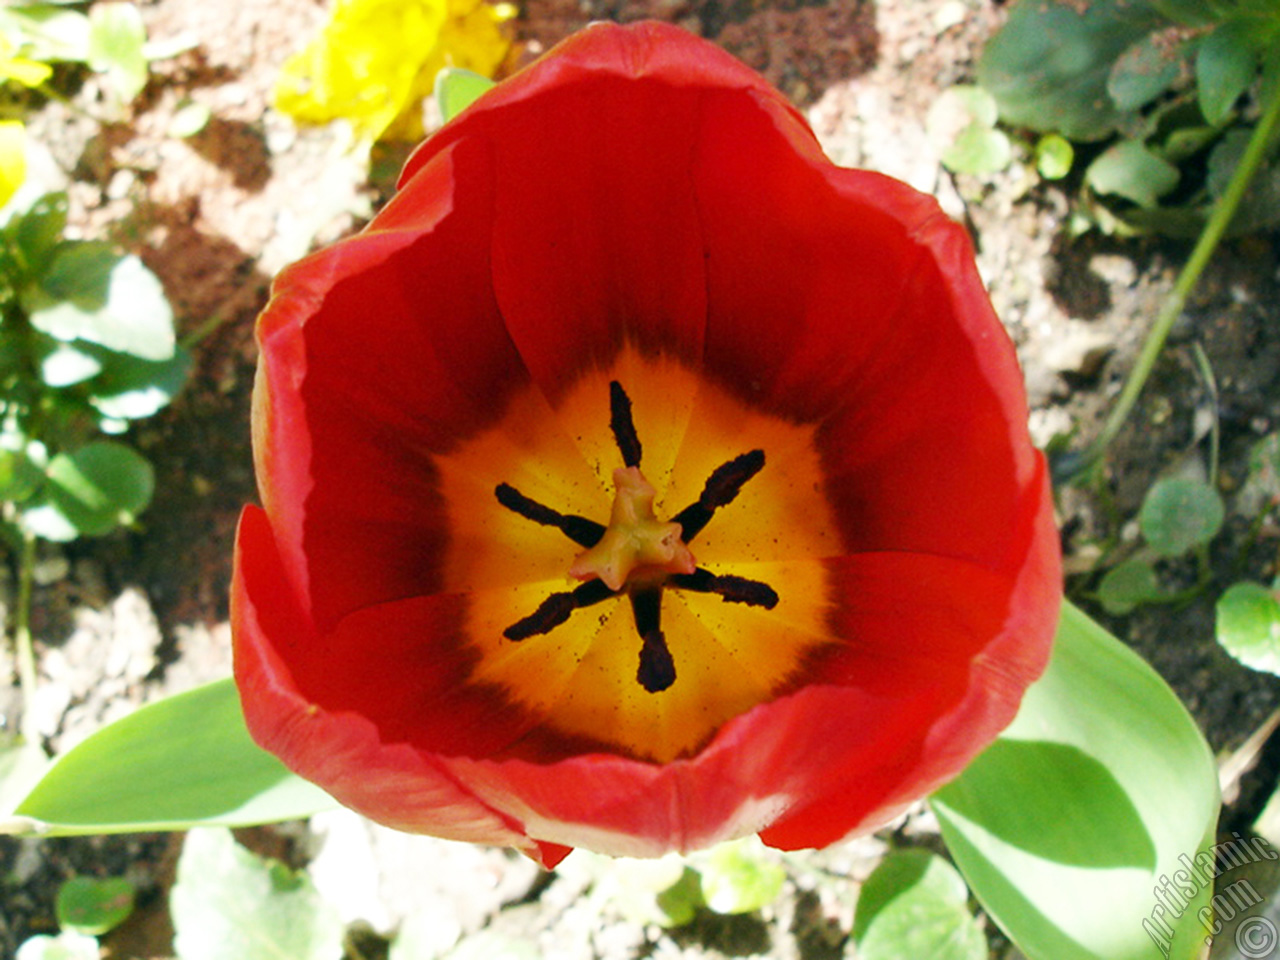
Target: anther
<point>730,588</point>
<point>556,609</point>
<point>721,489</point>
<point>584,532</point>
<point>623,427</point>
<point>657,670</point>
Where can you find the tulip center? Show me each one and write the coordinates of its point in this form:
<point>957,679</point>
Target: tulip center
<point>636,554</point>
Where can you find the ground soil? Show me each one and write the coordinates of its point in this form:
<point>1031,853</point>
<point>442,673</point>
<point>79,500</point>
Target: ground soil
<point>130,618</point>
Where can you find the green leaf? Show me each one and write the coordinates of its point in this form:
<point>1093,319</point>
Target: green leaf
<point>1097,795</point>
<point>189,119</point>
<point>1048,66</point>
<point>47,32</point>
<point>130,388</point>
<point>1146,70</point>
<point>21,767</point>
<point>100,486</point>
<point>93,906</point>
<point>116,38</point>
<point>228,904</point>
<point>37,231</point>
<point>65,946</point>
<point>20,478</point>
<point>92,293</point>
<point>65,365</point>
<point>1260,207</point>
<point>1054,156</point>
<point>1130,170</point>
<point>1179,513</point>
<point>1128,585</point>
<point>679,902</point>
<point>1226,63</point>
<point>183,762</point>
<point>458,89</point>
<point>1248,626</point>
<point>915,905</point>
<point>740,877</point>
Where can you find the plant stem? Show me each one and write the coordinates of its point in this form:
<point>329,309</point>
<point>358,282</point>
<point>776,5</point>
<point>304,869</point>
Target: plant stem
<point>23,651</point>
<point>1210,237</point>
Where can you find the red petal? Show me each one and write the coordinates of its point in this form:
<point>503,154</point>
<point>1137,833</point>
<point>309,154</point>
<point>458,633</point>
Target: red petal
<point>377,353</point>
<point>341,750</point>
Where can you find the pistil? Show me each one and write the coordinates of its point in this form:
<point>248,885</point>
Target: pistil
<point>636,542</point>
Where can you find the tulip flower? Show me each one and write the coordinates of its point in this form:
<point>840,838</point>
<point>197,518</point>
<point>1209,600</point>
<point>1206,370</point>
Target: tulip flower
<point>638,479</point>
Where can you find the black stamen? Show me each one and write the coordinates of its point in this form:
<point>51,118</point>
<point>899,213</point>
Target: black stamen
<point>722,488</point>
<point>657,670</point>
<point>584,532</point>
<point>731,589</point>
<point>555,610</point>
<point>727,480</point>
<point>623,427</point>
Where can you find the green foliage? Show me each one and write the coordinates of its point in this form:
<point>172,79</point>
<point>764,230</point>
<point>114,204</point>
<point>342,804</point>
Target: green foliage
<point>962,123</point>
<point>1167,82</point>
<point>185,761</point>
<point>1248,625</point>
<point>229,904</point>
<point>1128,585</point>
<point>457,89</point>
<point>93,906</point>
<point>65,946</point>
<point>1065,825</point>
<point>915,904</point>
<point>88,345</point>
<point>1179,514</point>
<point>110,38</point>
<point>740,878</point>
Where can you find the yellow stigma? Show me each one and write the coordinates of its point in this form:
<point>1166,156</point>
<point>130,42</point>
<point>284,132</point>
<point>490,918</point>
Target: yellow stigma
<point>635,540</point>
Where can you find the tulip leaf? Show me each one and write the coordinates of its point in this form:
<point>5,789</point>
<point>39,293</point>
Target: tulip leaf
<point>230,904</point>
<point>457,89</point>
<point>185,761</point>
<point>1099,793</point>
<point>915,904</point>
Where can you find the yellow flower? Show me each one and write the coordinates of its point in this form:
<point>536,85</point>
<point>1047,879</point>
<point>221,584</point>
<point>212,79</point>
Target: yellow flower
<point>376,60</point>
<point>13,158</point>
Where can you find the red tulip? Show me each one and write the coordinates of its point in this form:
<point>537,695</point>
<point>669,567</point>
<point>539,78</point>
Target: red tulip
<point>638,479</point>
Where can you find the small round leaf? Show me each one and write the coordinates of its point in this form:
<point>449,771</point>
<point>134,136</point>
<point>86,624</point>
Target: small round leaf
<point>916,905</point>
<point>93,906</point>
<point>1249,626</point>
<point>1180,513</point>
<point>1128,585</point>
<point>100,486</point>
<point>741,877</point>
<point>1054,156</point>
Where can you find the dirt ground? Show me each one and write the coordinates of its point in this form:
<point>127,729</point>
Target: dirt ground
<point>128,619</point>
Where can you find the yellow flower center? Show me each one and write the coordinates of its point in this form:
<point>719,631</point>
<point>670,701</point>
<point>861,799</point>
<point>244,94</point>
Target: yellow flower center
<point>615,635</point>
